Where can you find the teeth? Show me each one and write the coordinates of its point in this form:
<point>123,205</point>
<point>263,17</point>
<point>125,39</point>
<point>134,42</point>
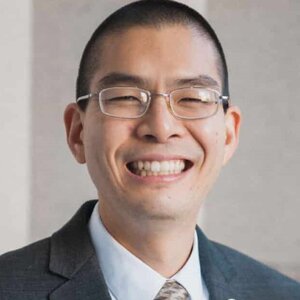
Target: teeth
<point>140,165</point>
<point>155,166</point>
<point>158,168</point>
<point>164,166</point>
<point>172,166</point>
<point>182,165</point>
<point>147,166</point>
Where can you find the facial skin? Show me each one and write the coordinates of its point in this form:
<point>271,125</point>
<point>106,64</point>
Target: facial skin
<point>134,207</point>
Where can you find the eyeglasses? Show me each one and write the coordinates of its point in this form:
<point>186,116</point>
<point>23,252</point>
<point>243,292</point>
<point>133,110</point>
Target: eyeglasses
<point>132,103</point>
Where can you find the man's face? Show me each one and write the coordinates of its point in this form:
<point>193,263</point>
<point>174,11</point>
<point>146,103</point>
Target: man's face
<point>112,146</point>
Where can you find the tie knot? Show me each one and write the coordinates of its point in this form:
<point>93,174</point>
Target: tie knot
<point>172,290</point>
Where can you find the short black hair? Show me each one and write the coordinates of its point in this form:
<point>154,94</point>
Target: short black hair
<point>149,13</point>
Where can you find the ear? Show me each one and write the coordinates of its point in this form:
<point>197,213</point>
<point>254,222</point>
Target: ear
<point>232,130</point>
<point>73,118</point>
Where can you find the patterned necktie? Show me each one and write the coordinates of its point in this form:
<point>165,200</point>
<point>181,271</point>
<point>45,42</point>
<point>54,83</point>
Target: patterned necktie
<point>172,290</point>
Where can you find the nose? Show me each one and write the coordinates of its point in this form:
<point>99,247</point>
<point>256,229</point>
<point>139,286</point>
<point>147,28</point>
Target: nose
<point>158,124</point>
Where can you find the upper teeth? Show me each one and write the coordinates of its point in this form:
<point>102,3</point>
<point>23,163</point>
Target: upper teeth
<point>145,168</point>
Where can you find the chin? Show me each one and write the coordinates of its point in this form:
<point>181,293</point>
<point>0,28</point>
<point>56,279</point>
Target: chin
<point>161,208</point>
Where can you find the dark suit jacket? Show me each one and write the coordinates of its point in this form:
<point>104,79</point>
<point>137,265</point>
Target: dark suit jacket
<point>65,267</point>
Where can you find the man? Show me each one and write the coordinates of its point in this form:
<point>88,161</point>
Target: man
<point>154,125</point>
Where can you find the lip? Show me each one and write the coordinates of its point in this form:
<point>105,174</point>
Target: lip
<point>158,157</point>
<point>161,178</point>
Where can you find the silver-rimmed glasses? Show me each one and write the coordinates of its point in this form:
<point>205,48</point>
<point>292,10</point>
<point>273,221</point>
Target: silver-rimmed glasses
<point>132,102</point>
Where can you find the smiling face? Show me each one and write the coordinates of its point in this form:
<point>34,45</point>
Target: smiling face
<point>157,166</point>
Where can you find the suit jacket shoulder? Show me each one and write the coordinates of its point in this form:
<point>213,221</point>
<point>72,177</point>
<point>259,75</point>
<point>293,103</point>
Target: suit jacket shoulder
<point>259,273</point>
<point>241,277</point>
<point>24,273</point>
<point>62,267</point>
<point>65,267</point>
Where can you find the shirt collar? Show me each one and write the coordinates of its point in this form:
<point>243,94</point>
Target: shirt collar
<point>127,277</point>
<point>190,275</point>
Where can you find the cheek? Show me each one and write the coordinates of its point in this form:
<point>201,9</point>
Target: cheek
<point>105,138</point>
<point>210,135</point>
<point>104,141</point>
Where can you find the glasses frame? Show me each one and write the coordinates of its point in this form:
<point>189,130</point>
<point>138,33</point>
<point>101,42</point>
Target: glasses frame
<point>221,99</point>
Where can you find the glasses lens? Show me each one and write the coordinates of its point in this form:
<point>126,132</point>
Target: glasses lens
<point>123,102</point>
<point>193,103</point>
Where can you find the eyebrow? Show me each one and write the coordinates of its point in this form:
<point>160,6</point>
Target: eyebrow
<point>115,78</point>
<point>201,80</point>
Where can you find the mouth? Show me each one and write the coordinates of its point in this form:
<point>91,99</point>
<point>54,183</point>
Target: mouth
<point>159,168</point>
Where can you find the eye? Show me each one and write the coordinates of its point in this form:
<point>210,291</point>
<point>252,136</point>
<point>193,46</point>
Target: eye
<point>196,100</point>
<point>194,96</point>
<point>124,98</point>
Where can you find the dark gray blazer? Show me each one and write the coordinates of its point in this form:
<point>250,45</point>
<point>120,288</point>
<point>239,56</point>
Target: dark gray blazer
<point>65,267</point>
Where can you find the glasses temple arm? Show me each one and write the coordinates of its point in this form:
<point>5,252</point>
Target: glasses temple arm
<point>86,97</point>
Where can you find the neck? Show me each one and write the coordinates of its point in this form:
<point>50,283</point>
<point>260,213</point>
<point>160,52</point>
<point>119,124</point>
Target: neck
<point>164,245</point>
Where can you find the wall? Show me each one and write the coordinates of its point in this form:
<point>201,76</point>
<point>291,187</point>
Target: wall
<point>256,205</point>
<point>15,133</point>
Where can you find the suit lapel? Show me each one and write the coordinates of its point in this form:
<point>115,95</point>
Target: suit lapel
<point>87,283</point>
<point>73,257</point>
<point>217,271</point>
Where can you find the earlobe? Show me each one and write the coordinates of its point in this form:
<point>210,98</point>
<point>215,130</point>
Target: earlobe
<point>232,130</point>
<point>74,131</point>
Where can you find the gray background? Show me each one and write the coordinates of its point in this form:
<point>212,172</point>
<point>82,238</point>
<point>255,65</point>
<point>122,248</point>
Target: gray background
<point>254,206</point>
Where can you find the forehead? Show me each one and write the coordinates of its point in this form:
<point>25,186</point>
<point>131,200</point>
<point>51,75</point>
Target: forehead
<point>159,55</point>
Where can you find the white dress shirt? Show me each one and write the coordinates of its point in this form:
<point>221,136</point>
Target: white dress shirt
<point>129,278</point>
